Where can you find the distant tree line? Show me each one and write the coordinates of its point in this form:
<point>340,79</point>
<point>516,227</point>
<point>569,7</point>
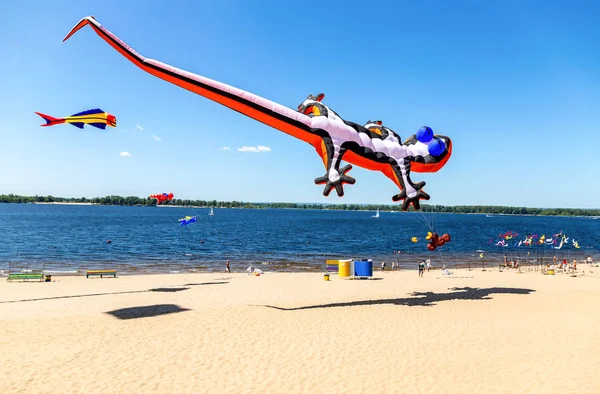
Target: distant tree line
<point>145,201</point>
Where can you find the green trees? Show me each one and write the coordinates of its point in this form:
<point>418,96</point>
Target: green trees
<point>138,201</point>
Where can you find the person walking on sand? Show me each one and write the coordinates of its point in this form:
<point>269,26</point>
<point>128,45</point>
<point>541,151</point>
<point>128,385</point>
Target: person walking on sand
<point>227,268</point>
<point>383,265</point>
<point>428,266</point>
<point>421,268</point>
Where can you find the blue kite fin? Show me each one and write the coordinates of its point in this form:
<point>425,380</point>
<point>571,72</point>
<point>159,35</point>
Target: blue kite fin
<point>77,124</point>
<point>89,112</point>
<point>98,125</point>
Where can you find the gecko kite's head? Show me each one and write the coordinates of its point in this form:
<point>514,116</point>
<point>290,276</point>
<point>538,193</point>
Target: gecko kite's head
<point>111,120</point>
<point>312,105</point>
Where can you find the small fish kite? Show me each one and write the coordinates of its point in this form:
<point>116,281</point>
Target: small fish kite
<point>373,145</point>
<point>162,197</point>
<point>94,117</point>
<point>187,220</point>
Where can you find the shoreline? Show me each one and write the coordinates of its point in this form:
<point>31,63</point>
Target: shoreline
<point>266,269</point>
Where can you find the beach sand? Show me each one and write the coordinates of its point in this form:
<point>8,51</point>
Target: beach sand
<point>471,332</point>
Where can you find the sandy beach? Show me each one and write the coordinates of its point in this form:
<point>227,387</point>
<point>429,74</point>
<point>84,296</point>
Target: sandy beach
<point>474,331</point>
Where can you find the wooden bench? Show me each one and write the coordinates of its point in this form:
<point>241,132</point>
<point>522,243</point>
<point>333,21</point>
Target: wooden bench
<point>101,273</point>
<point>26,276</point>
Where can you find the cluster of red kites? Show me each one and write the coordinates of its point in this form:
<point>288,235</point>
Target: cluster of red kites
<point>162,197</point>
<point>435,240</point>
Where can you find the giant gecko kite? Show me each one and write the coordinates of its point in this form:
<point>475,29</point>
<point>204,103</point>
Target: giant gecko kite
<point>372,146</point>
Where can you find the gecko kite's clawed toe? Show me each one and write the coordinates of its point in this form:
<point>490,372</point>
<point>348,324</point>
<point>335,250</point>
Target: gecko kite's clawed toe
<point>418,195</point>
<point>338,183</point>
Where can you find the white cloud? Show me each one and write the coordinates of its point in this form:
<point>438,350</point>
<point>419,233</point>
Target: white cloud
<point>139,127</point>
<point>125,154</point>
<point>224,148</point>
<point>155,138</point>
<point>255,149</point>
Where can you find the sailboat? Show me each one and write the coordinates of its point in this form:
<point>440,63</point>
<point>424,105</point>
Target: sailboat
<point>377,214</point>
<point>212,212</point>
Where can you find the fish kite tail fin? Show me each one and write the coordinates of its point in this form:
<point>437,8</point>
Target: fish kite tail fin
<point>50,121</point>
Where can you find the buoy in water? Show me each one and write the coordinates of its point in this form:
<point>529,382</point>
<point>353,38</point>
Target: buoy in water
<point>108,241</point>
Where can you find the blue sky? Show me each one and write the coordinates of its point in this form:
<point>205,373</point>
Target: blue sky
<point>515,84</point>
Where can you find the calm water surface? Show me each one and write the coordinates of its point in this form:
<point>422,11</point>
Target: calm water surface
<point>71,238</point>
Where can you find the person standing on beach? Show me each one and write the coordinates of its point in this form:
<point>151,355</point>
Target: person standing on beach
<point>227,269</point>
<point>421,268</point>
<point>383,265</point>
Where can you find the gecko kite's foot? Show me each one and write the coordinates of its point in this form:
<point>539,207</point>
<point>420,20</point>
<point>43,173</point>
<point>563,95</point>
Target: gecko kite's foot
<point>420,195</point>
<point>338,184</point>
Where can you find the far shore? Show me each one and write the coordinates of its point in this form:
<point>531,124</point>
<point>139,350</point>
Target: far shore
<point>65,203</point>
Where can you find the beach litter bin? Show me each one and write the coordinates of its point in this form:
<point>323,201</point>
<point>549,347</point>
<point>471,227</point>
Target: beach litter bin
<point>48,278</point>
<point>363,269</point>
<point>550,272</point>
<point>326,277</point>
<point>344,269</point>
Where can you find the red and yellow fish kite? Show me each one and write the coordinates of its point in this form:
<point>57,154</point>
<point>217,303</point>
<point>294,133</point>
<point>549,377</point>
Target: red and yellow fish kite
<point>94,117</point>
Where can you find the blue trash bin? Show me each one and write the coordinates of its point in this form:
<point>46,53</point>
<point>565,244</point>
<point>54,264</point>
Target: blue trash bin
<point>363,268</point>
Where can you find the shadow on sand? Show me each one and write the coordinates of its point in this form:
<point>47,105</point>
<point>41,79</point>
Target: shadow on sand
<point>205,283</point>
<point>138,312</point>
<point>427,298</point>
<point>168,289</point>
<point>160,289</point>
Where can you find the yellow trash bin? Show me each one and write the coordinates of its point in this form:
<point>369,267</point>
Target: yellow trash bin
<point>326,277</point>
<point>344,269</point>
<point>550,272</point>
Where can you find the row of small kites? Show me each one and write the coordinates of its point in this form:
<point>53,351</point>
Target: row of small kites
<point>163,197</point>
<point>556,241</point>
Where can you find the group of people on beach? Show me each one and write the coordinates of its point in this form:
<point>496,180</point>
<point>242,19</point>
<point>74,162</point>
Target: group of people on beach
<point>565,265</point>
<point>424,265</point>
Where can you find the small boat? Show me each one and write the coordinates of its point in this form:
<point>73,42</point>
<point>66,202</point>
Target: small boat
<point>212,212</point>
<point>376,215</point>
